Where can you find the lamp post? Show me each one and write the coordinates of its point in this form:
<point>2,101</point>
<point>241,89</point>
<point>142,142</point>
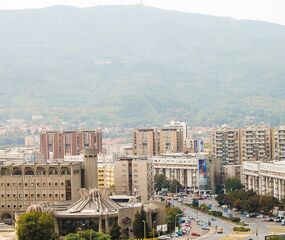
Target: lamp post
<point>144,229</point>
<point>153,223</point>
<point>175,220</point>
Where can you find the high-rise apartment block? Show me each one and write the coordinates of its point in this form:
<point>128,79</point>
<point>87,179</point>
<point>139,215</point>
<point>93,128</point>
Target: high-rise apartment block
<point>278,143</point>
<point>57,144</point>
<point>156,141</point>
<point>134,176</point>
<point>225,145</point>
<point>256,143</point>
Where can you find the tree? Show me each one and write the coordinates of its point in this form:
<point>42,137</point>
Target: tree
<point>233,184</point>
<point>138,225</point>
<point>170,217</point>
<point>115,232</point>
<point>87,235</point>
<point>175,186</point>
<point>35,226</point>
<point>71,236</point>
<point>267,203</point>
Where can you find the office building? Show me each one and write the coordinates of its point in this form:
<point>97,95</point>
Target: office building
<point>25,184</point>
<point>182,167</point>
<point>133,176</point>
<point>265,178</point>
<point>57,144</point>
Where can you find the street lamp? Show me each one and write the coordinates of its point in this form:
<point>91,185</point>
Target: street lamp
<point>144,229</point>
<point>153,229</point>
<point>175,220</point>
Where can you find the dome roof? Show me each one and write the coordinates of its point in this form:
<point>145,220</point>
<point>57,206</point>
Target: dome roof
<point>35,208</point>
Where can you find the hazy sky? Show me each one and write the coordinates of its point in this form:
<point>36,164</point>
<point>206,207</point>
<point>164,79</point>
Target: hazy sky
<point>266,10</point>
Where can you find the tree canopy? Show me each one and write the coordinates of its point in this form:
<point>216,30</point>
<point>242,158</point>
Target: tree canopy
<point>232,184</point>
<point>161,181</point>
<point>138,225</point>
<point>35,226</point>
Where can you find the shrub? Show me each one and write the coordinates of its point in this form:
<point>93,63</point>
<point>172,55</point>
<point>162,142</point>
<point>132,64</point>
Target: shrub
<point>235,219</point>
<point>241,229</point>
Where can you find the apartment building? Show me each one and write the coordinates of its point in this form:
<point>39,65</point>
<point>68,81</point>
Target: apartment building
<point>145,141</point>
<point>25,184</point>
<point>105,171</point>
<point>256,143</point>
<point>57,144</point>
<point>133,176</point>
<point>265,178</point>
<point>155,141</point>
<point>278,143</point>
<point>225,145</point>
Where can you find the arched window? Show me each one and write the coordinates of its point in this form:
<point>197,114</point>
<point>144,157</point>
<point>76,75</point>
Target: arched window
<point>52,171</point>
<point>5,172</point>
<point>29,172</point>
<point>40,171</point>
<point>65,171</point>
<point>17,172</point>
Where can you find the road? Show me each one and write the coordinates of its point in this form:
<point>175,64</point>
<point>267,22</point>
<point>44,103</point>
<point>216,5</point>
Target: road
<point>260,227</point>
<point>227,226</point>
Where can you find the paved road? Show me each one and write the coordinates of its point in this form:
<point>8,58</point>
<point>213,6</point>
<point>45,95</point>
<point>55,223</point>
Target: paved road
<point>227,226</point>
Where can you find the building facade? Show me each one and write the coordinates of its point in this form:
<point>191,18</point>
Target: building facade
<point>225,145</point>
<point>133,176</point>
<point>256,143</point>
<point>156,141</point>
<point>265,178</point>
<point>22,185</point>
<point>182,167</point>
<point>278,143</point>
<point>57,144</point>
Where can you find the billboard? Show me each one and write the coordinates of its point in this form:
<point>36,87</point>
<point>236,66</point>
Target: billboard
<point>198,146</point>
<point>203,180</point>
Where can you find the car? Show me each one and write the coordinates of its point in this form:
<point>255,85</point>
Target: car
<point>2,224</point>
<point>195,234</point>
<point>234,209</point>
<point>179,233</point>
<point>174,235</point>
<point>164,237</point>
<point>205,227</point>
<point>220,230</point>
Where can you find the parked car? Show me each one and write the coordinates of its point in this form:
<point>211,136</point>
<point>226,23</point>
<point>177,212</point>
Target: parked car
<point>220,230</point>
<point>195,234</point>
<point>164,237</point>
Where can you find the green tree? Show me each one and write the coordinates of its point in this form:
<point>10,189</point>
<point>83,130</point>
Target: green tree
<point>71,236</point>
<point>175,186</point>
<point>138,225</point>
<point>170,217</point>
<point>115,232</point>
<point>87,235</point>
<point>35,226</point>
<point>267,203</point>
<point>233,184</point>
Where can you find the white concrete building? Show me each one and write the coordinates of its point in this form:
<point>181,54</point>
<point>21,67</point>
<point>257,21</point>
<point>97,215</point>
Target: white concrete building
<point>182,167</point>
<point>265,178</point>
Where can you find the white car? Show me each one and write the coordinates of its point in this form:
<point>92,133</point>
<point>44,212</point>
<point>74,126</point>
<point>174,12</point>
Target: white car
<point>164,237</point>
<point>2,224</point>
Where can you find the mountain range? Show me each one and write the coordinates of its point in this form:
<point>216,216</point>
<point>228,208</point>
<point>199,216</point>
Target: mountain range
<point>140,66</point>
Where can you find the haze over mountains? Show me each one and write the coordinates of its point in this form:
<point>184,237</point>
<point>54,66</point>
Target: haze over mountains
<point>136,65</point>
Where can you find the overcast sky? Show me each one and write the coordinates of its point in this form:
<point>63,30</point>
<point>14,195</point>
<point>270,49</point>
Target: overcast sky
<point>266,10</point>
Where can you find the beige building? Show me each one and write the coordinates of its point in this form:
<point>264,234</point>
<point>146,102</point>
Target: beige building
<point>133,176</point>
<point>256,143</point>
<point>182,167</point>
<point>156,141</point>
<point>278,143</point>
<point>22,185</point>
<point>225,145</point>
<point>265,178</point>
<point>145,141</point>
<point>231,171</point>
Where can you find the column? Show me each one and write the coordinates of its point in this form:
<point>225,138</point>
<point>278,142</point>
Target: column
<point>279,189</point>
<point>189,178</point>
